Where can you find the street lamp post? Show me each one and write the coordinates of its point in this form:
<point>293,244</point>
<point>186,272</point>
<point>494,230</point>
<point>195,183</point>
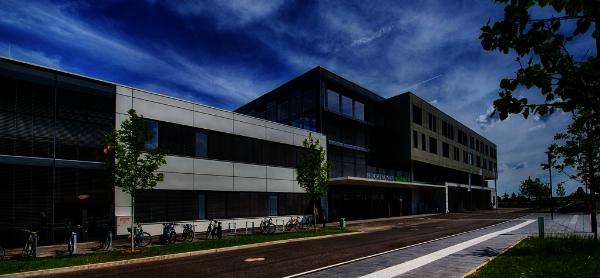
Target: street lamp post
<point>550,174</point>
<point>592,186</point>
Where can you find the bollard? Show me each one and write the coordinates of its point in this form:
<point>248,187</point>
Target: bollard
<point>228,228</point>
<point>219,231</point>
<point>34,247</point>
<point>110,240</point>
<point>193,232</point>
<point>252,227</point>
<point>246,227</point>
<point>541,228</point>
<point>74,243</point>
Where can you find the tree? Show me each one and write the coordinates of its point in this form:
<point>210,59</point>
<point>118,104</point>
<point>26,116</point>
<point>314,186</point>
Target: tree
<point>314,171</point>
<point>505,196</point>
<point>513,196</point>
<point>534,188</point>
<point>131,165</point>
<point>567,82</point>
<point>560,190</point>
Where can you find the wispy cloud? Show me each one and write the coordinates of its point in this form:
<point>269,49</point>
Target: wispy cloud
<point>378,34</point>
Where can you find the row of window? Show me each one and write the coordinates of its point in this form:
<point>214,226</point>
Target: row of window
<point>194,142</point>
<point>293,109</point>
<point>347,106</point>
<point>178,205</point>
<point>448,132</point>
<point>467,157</point>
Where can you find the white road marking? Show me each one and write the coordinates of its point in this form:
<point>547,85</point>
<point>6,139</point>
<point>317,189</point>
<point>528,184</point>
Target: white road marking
<point>574,220</point>
<point>421,261</point>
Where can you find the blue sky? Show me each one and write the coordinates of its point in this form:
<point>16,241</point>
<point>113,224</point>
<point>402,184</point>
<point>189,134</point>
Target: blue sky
<point>226,53</point>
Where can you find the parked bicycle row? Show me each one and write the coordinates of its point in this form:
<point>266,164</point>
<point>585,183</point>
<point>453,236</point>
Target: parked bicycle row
<point>168,235</point>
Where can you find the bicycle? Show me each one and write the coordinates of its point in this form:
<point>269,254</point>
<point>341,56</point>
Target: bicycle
<point>71,238</point>
<point>267,226</point>
<point>188,233</point>
<point>211,231</point>
<point>292,223</point>
<point>28,249</point>
<point>105,240</point>
<point>140,238</point>
<point>169,235</point>
<point>307,221</point>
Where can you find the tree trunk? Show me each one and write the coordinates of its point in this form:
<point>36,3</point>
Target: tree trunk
<point>314,214</point>
<point>132,212</point>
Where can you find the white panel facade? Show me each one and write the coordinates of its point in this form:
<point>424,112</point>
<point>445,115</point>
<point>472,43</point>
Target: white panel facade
<point>249,170</point>
<point>213,167</point>
<point>176,181</point>
<point>178,164</point>
<point>249,184</point>
<point>279,136</point>
<point>280,173</point>
<point>280,185</point>
<point>162,99</point>
<point>161,112</point>
<point>249,130</point>
<point>212,122</point>
<point>215,183</point>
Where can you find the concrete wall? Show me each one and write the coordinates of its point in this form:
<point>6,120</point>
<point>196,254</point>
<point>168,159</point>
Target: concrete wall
<point>188,173</point>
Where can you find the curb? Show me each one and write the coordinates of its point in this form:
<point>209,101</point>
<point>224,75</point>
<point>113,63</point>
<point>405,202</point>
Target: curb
<point>162,257</point>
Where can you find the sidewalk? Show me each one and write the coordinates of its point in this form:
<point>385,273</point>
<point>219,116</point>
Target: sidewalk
<point>455,256</point>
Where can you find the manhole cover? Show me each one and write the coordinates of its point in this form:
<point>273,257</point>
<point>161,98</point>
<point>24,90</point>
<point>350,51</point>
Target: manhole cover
<point>254,259</point>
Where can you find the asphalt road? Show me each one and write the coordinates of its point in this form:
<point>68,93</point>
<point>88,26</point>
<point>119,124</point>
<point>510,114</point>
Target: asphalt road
<point>296,257</point>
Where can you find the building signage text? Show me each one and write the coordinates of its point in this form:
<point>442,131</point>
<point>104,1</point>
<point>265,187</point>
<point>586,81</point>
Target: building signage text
<point>387,177</point>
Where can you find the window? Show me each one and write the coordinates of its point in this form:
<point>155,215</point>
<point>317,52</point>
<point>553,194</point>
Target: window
<point>282,111</point>
<point>460,141</point>
<point>465,157</point>
<point>333,100</point>
<point>152,143</point>
<point>470,159</point>
<point>359,110</point>
<point>297,123</point>
<point>347,106</point>
<point>201,143</point>
<point>417,115</point>
<point>309,100</point>
<point>273,203</point>
<point>432,145</point>
<point>423,142</point>
<point>310,122</point>
<point>444,129</point>
<point>472,142</point>
<point>201,205</point>
<point>484,164</point>
<point>415,139</point>
<point>445,150</point>
<point>432,123</point>
<point>477,145</point>
<point>456,153</point>
<point>478,161</point>
<point>272,114</point>
<point>490,165</point>
<point>295,106</point>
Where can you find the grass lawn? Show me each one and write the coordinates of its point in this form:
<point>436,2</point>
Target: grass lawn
<point>554,256</point>
<point>31,264</point>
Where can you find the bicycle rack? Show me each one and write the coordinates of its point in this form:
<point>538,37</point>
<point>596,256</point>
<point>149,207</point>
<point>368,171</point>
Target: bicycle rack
<point>234,227</point>
<point>74,243</point>
<point>34,247</point>
<point>252,227</point>
<point>110,240</point>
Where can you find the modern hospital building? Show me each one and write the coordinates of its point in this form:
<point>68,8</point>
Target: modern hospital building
<point>392,156</point>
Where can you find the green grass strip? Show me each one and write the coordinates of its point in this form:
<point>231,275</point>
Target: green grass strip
<point>32,264</point>
<point>555,256</point>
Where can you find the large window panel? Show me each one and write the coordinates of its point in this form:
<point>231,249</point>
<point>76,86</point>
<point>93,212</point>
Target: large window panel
<point>296,106</point>
<point>347,106</point>
<point>272,114</point>
<point>333,100</point>
<point>309,100</point>
<point>152,143</point>
<point>359,110</point>
<point>417,115</point>
<point>238,148</point>
<point>201,143</point>
<point>214,145</point>
<point>282,111</point>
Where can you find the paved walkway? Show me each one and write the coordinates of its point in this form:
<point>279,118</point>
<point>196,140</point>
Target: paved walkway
<point>455,256</point>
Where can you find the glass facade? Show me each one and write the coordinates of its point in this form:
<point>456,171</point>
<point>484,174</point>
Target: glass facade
<point>39,121</point>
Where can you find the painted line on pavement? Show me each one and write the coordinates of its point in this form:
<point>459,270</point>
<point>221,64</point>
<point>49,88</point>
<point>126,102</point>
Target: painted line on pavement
<point>405,247</point>
<point>574,219</point>
<point>421,261</point>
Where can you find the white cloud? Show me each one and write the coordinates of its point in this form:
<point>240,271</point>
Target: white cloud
<point>379,33</point>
